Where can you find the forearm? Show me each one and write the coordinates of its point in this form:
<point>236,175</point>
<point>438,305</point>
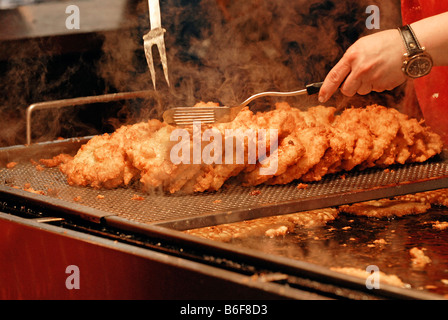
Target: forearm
<point>432,33</point>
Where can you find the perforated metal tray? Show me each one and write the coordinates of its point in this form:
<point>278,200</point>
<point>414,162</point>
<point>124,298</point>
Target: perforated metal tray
<point>232,203</point>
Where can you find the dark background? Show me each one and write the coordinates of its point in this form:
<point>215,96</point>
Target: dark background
<point>218,50</point>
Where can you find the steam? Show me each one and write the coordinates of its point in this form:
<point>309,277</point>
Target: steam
<point>225,51</point>
<point>218,50</point>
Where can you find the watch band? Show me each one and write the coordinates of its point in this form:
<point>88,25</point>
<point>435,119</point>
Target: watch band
<point>410,40</point>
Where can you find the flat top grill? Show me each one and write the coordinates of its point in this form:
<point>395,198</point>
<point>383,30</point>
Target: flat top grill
<point>232,203</point>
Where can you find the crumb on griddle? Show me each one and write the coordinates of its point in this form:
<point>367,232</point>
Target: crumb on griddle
<point>255,192</point>
<point>360,273</point>
<point>302,186</point>
<point>380,241</point>
<point>419,259</point>
<point>77,198</point>
<point>137,197</point>
<point>11,164</point>
<point>440,225</point>
<point>27,187</point>
<point>100,196</point>
<point>276,232</point>
<point>56,160</point>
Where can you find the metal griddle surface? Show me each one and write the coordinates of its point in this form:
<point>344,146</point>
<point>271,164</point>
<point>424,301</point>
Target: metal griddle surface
<point>231,203</point>
<point>359,242</point>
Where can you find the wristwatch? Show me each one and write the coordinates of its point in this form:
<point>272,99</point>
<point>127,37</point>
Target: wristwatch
<point>417,62</point>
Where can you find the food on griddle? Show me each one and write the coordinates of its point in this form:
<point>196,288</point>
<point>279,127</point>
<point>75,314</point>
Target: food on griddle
<point>437,197</point>
<point>276,232</point>
<point>383,278</point>
<point>103,162</point>
<point>27,187</point>
<point>56,161</point>
<point>11,164</point>
<point>386,208</point>
<point>311,144</point>
<point>440,225</point>
<point>419,260</point>
<point>137,197</point>
<point>269,226</point>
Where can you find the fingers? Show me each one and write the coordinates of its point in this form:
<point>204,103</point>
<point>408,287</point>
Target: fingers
<point>354,85</point>
<point>334,79</point>
<point>365,88</point>
<point>350,83</point>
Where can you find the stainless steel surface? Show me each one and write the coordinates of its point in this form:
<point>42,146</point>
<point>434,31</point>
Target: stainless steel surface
<point>55,104</point>
<point>232,203</point>
<point>186,116</point>
<point>41,19</point>
<point>155,37</point>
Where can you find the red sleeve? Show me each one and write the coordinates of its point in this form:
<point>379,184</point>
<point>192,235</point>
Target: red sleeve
<point>431,90</point>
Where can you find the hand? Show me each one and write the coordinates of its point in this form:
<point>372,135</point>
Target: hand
<point>373,63</point>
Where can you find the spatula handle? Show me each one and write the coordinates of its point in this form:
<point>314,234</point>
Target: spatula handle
<point>313,87</point>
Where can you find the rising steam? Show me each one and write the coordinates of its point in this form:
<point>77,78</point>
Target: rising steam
<point>217,50</point>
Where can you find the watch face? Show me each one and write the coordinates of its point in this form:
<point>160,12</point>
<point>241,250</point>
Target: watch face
<point>418,66</point>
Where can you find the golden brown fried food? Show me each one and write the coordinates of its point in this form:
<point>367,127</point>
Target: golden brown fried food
<point>359,144</point>
<point>316,142</point>
<point>418,258</point>
<point>306,146</point>
<point>377,123</point>
<point>385,208</point>
<point>290,150</point>
<point>149,153</point>
<point>301,125</point>
<point>437,197</point>
<point>56,161</point>
<point>258,227</point>
<point>102,162</point>
<point>413,142</point>
<point>251,131</point>
<point>332,157</point>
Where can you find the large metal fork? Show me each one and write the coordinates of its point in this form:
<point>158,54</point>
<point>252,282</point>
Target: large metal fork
<point>155,37</point>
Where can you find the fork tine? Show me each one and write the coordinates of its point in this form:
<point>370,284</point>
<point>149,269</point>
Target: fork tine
<point>155,37</point>
<point>162,52</point>
<point>150,61</point>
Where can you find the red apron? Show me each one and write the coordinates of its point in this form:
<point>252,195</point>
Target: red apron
<point>431,90</point>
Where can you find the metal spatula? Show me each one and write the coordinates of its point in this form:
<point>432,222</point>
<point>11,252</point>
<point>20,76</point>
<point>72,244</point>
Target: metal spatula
<point>185,116</point>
